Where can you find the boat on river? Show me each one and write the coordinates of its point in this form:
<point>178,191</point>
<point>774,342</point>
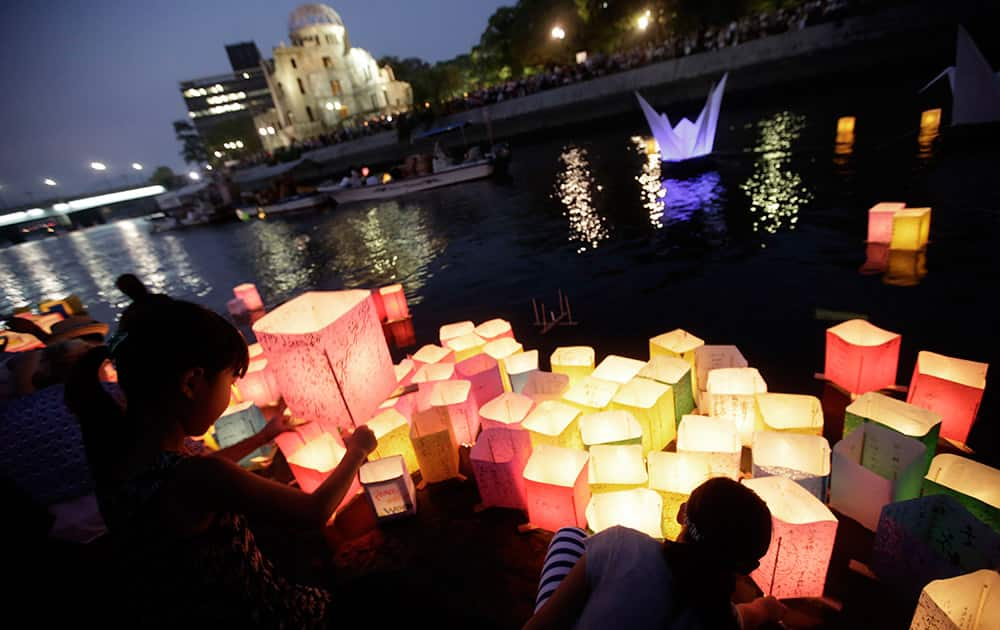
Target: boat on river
<point>288,205</point>
<point>456,174</point>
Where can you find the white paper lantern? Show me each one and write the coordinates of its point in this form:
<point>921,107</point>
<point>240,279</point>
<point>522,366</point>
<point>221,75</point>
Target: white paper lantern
<point>638,509</point>
<point>966,602</point>
<point>805,459</point>
<point>731,393</point>
<point>715,440</point>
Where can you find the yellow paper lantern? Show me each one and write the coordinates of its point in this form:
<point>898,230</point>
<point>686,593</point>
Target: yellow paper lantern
<point>556,487</point>
<point>677,343</point>
<point>466,346</point>
<point>457,329</point>
<point>545,386</point>
<point>845,125</point>
<point>652,404</point>
<point>975,485</point>
<point>637,509</point>
<point>677,374</point>
<point>805,459</point>
<point>434,444</point>
<point>432,353</point>
<point>715,440</point>
<point>500,349</point>
<point>432,372</point>
<point>609,427</point>
<point>617,369</point>
<point>911,228</point>
<point>455,399</point>
<point>518,367</point>
<point>506,411</point>
<point>590,394</point>
<point>966,602</point>
<point>731,393</point>
<point>707,358</point>
<point>494,329</point>
<point>554,423</point>
<point>617,467</point>
<point>576,362</point>
<point>389,487</point>
<point>792,413</point>
<point>951,387</point>
<point>673,476</point>
<point>392,431</point>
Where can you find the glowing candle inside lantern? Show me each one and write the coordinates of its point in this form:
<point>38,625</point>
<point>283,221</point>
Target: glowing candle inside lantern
<point>617,467</point>
<point>911,228</point>
<point>679,344</point>
<point>432,372</point>
<point>951,387</point>
<point>389,487</point>
<point>433,354</point>
<point>506,411</point>
<point>975,485</point>
<point>394,301</point>
<point>545,386</point>
<point>861,357</point>
<point>652,404</point>
<point>556,487</point>
<point>673,476</point>
<point>456,401</point>
<point>313,462</point>
<point>715,440</point>
<point>251,298</point>
<point>494,329</point>
<point>805,459</point>
<point>793,413</point>
<point>553,422</point>
<point>880,221</point>
<point>392,430</point>
<point>518,367</point>
<point>457,329</point>
<point>498,460</point>
<point>466,346</point>
<point>707,358</point>
<point>590,394</point>
<point>639,509</point>
<point>966,602</point>
<point>434,443</point>
<point>617,369</point>
<point>259,384</point>
<point>731,394</point>
<point>576,362</point>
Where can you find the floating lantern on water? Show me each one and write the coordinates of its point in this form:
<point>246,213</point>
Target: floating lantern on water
<point>790,413</point>
<point>259,384</point>
<point>498,460</point>
<point>434,443</point>
<point>802,536</point>
<point>652,404</point>
<point>805,459</point>
<point>238,423</point>
<point>466,346</point>
<point>251,298</point>
<point>674,476</point>
<point>432,353</point>
<point>394,302</point>
<point>452,331</point>
<point>545,386</point>
<point>930,121</point>
<point>676,373</point>
<point>483,372</point>
<point>556,487</point>
<point>966,602</point>
<point>880,218</point>
<point>555,423</point>
<point>389,488</point>
<point>590,394</point>
<point>576,362</point>
<point>609,427</point>
<point>911,228</point>
<point>707,358</point>
<point>861,357</point>
<point>506,411</point>
<point>617,369</point>
<point>951,387</point>
<point>64,307</point>
<point>494,329</point>
<point>716,441</point>
<point>731,393</point>
<point>312,462</point>
<point>392,431</point>
<point>518,367</point>
<point>617,467</point>
<point>639,509</point>
<point>400,333</point>
<point>974,485</point>
<point>453,399</point>
<point>909,420</point>
<point>432,372</point>
<point>845,125</point>
<point>329,356</point>
<point>686,139</point>
<point>237,309</point>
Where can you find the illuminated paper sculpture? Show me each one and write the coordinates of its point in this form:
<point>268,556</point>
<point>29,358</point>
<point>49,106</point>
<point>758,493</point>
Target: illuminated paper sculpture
<point>434,443</point>
<point>506,411</point>
<point>731,393</point>
<point>590,394</point>
<point>392,431</point>
<point>451,331</point>
<point>974,485</point>
<point>652,404</point>
<point>483,372</point>
<point>880,221</point>
<point>617,467</point>
<point>545,386</point>
<point>576,362</point>
<point>238,423</point>
<point>518,367</point>
<point>676,373</point>
<point>609,427</point>
<point>494,329</point>
<point>556,487</point>
<point>466,346</point>
<point>677,343</point>
<point>791,413</point>
<point>805,459</point>
<point>966,602</point>
<point>498,460</point>
<point>394,302</point>
<point>950,387</point>
<point>432,372</point>
<point>861,357</point>
<point>431,353</point>
<point>554,423</point>
<point>909,420</point>
<point>673,476</point>
<point>639,509</point>
<point>911,228</point>
<point>328,354</point>
<point>687,139</point>
<point>453,399</point>
<point>247,292</point>
<point>259,384</point>
<point>716,441</point>
<point>975,87</point>
<point>389,488</point>
<point>802,535</point>
<point>707,358</point>
<point>313,462</point>
<point>873,466</point>
<point>617,369</point>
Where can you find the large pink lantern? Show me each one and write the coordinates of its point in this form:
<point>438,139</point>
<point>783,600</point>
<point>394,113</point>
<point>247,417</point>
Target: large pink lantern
<point>556,487</point>
<point>329,356</point>
<point>454,400</point>
<point>394,302</point>
<point>259,384</point>
<point>880,218</point>
<point>498,460</point>
<point>506,411</point>
<point>861,357</point>
<point>494,329</point>
<point>952,388</point>
<point>483,372</point>
<point>247,292</point>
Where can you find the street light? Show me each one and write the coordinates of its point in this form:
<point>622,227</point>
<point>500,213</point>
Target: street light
<point>218,154</point>
<point>558,32</point>
<point>99,166</point>
<point>643,21</point>
<point>194,176</point>
<point>48,181</point>
<point>136,166</point>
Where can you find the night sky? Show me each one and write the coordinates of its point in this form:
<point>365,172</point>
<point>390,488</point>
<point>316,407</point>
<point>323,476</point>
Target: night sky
<point>97,80</point>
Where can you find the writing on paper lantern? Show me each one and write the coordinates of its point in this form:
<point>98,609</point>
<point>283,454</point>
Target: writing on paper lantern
<point>609,427</point>
<point>392,431</point>
<point>247,292</point>
<point>805,459</point>
<point>677,343</point>
<point>545,386</point>
<point>498,460</point>
<point>431,353</point>
<point>969,601</point>
<point>973,484</point>
<point>674,476</point>
<point>617,467</point>
<point>239,422</point>
<point>802,535</point>
<point>951,387</point>
<point>880,217</point>
<point>590,394</point>
<point>637,509</point>
<point>789,413</point>
<point>313,462</point>
<point>708,358</point>
<point>518,367</point>
<point>483,372</point>
<point>452,331</point>
<point>576,362</point>
<point>715,440</point>
<point>554,423</point>
<point>909,420</point>
<point>506,411</point>
<point>454,400</point>
<point>434,443</point>
<point>556,487</point>
<point>494,329</point>
<point>394,302</point>
<point>861,357</point>
<point>652,404</point>
<point>911,228</point>
<point>466,346</point>
<point>731,393</point>
<point>259,384</point>
<point>329,357</point>
<point>677,374</point>
<point>389,487</point>
<point>432,372</point>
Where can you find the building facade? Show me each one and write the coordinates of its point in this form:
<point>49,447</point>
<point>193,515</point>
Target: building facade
<point>320,82</point>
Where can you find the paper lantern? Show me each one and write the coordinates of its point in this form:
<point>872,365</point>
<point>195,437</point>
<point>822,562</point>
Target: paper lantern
<point>379,305</point>
<point>483,372</point>
<point>405,404</point>
<point>259,384</point>
<point>609,427</point>
<point>930,121</point>
<point>392,430</point>
<point>880,218</point>
<point>873,466</point>
<point>20,342</point>
<point>966,602</point>
<point>328,354</point>
<point>617,467</point>
<point>251,298</point>
<point>707,358</point>
<point>400,333</point>
<point>617,369</point>
<point>494,329</point>
<point>431,353</point>
<point>715,440</point>
<point>545,386</point>
<point>255,351</point>
<point>677,374</point>
<point>731,393</point>
<point>590,394</point>
<point>506,411</point>
<point>805,459</point>
<point>432,372</point>
<point>500,349</point>
<point>389,488</point>
<point>466,346</point>
<point>239,422</point>
<point>237,309</point>
<point>952,388</point>
<point>639,509</point>
<point>911,228</point>
<point>498,460</point>
<point>876,258</point>
<point>790,413</point>
<point>802,536</point>
<point>652,404</point>
<point>454,399</point>
<point>518,367</point>
<point>555,423</point>
<point>861,357</point>
<point>404,371</point>
<point>679,344</point>
<point>674,476</point>
<point>434,443</point>
<point>394,302</point>
<point>974,485</point>
<point>313,462</point>
<point>451,331</point>
<point>909,420</point>
<point>556,487</point>
<point>576,362</point>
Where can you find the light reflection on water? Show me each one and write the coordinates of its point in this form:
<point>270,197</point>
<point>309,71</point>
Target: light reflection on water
<point>649,179</point>
<point>575,187</point>
<point>776,193</point>
<point>703,193</point>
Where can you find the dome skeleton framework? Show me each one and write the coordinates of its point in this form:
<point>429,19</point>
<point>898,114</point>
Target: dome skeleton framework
<point>312,15</point>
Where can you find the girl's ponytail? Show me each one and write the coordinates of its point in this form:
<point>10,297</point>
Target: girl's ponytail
<point>101,418</point>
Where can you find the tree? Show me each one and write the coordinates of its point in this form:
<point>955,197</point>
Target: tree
<point>192,148</point>
<point>164,176</point>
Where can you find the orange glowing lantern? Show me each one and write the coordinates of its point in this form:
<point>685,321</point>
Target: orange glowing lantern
<point>652,404</point>
<point>951,387</point>
<point>677,374</point>
<point>392,430</point>
<point>617,467</point>
<point>466,346</point>
<point>329,357</point>
<point>789,413</point>
<point>974,485</point>
<point>389,488</point>
<point>679,344</point>
<point>433,354</point>
<point>966,602</point>
<point>802,535</point>
<point>400,333</point>
<point>247,292</point>
<point>432,372</point>
<point>394,302</point>
<point>454,400</point>
<point>259,384</point>
<point>707,358</point>
<point>554,423</point>
<point>545,386</point>
<point>911,228</point>
<point>483,372</point>
<point>861,357</point>
<point>590,394</point>
<point>673,476</point>
<point>908,420</point>
<point>609,427</point>
<point>576,362</point>
<point>452,331</point>
<point>639,509</point>
<point>498,460</point>
<point>880,218</point>
<point>313,462</point>
<point>930,121</point>
<point>805,459</point>
<point>845,125</point>
<point>716,441</point>
<point>617,369</point>
<point>494,329</point>
<point>518,367</point>
<point>731,393</point>
<point>434,443</point>
<point>556,487</point>
<point>506,411</point>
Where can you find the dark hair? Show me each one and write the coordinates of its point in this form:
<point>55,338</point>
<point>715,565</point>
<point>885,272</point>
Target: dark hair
<point>728,531</point>
<point>158,339</point>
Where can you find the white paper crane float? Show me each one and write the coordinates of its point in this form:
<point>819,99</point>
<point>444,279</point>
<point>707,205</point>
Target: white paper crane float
<point>686,139</point>
<point>975,87</point>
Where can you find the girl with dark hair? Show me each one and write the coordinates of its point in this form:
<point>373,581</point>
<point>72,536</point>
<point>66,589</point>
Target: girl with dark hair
<point>179,520</point>
<point>623,578</point>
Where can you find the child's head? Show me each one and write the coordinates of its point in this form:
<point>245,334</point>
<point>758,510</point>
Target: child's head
<point>729,519</point>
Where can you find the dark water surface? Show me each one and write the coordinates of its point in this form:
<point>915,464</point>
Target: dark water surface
<point>756,249</point>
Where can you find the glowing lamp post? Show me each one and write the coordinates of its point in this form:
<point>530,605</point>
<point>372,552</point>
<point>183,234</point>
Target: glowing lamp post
<point>389,488</point>
<point>975,485</point>
<point>707,358</point>
<point>861,357</point>
<point>392,430</point>
<point>394,302</point>
<point>716,441</point>
<point>617,369</point>
<point>454,400</point>
<point>617,467</point>
<point>609,427</point>
<point>652,404</point>
<point>329,356</point>
<point>950,387</point>
<point>238,423</point>
<point>518,367</point>
<point>638,509</point>
<point>731,393</point>
<point>259,384</point>
<point>908,420</point>
<point>969,601</point>
<point>545,386</point>
<point>590,394</point>
<point>677,374</point>
<point>554,423</point>
<point>506,411</point>
<point>452,331</point>
<point>251,298</point>
<point>802,535</point>
<point>576,362</point>
<point>911,228</point>
<point>556,487</point>
<point>483,372</point>
<point>673,476</point>
<point>790,413</point>
<point>433,354</point>
<point>677,343</point>
<point>805,459</point>
<point>498,460</point>
<point>494,329</point>
<point>880,218</point>
<point>466,346</point>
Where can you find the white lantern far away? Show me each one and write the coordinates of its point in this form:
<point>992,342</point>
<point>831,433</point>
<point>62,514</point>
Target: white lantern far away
<point>618,369</point>
<point>609,427</point>
<point>715,440</point>
<point>677,373</point>
<point>674,476</point>
<point>576,362</point>
<point>639,509</point>
<point>518,367</point>
<point>731,393</point>
<point>617,467</point>
<point>790,413</point>
<point>805,459</point>
<point>553,422</point>
<point>652,404</point>
<point>975,485</point>
<point>966,602</point>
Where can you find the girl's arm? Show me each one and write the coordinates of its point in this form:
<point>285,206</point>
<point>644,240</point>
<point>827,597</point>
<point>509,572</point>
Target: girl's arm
<point>275,427</point>
<point>564,607</point>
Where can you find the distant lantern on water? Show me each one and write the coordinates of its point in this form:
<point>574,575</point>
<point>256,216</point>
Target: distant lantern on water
<point>454,400</point>
<point>731,393</point>
<point>617,467</point>
<point>880,217</point>
<point>845,125</point>
<point>652,404</point>
<point>609,427</point>
<point>676,373</point>
<point>673,476</point>
<point>483,372</point>
<point>576,362</point>
<point>506,411</point>
<point>259,384</point>
<point>590,394</point>
<point>911,228</point>
<point>394,302</point>
<point>618,369</point>
<point>554,423</point>
<point>951,387</point>
<point>556,487</point>
<point>498,460</point>
<point>519,366</point>
<point>975,485</point>
<point>248,293</point>
<point>545,386</point>
<point>389,487</point>
<point>966,602</point>
<point>805,459</point>
<point>789,413</point>
<point>861,357</point>
<point>392,432</point>
<point>639,509</point>
<point>494,329</point>
<point>930,121</point>
<point>715,440</point>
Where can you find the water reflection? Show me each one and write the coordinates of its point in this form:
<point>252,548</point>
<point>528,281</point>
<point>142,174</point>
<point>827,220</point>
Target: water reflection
<point>703,192</point>
<point>776,193</point>
<point>280,259</point>
<point>574,186</point>
<point>649,179</point>
<point>14,292</point>
<point>98,265</point>
<point>146,264</point>
<point>930,123</point>
<point>41,269</point>
<point>901,268</point>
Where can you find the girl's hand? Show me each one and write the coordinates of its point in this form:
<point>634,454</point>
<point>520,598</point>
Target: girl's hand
<point>362,441</point>
<point>280,424</point>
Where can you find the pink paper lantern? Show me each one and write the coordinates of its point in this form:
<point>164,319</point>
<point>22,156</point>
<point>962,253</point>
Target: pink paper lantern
<point>311,462</point>
<point>394,301</point>
<point>454,400</point>
<point>861,357</point>
<point>248,293</point>
<point>545,386</point>
<point>506,411</point>
<point>495,329</point>
<point>259,384</point>
<point>880,221</point>
<point>400,333</point>
<point>237,308</point>
<point>379,305</point>
<point>556,487</point>
<point>433,372</point>
<point>483,372</point>
<point>432,353</point>
<point>328,354</point>
<point>950,387</point>
<point>498,461</point>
